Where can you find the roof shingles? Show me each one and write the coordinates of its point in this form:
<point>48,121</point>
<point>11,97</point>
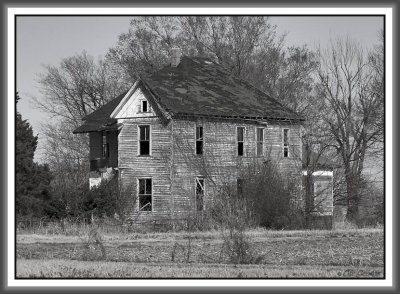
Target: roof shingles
<point>198,87</point>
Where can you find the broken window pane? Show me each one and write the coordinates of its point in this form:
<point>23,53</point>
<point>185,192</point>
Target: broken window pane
<point>199,194</point>
<point>145,194</point>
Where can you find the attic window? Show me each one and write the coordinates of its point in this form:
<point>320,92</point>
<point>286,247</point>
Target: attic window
<point>207,62</point>
<point>144,106</point>
<point>240,140</point>
<point>286,142</point>
<point>199,140</point>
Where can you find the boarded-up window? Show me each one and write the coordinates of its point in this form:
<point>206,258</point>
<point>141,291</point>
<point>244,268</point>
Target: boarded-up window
<point>239,187</point>
<point>260,141</point>
<point>145,194</point>
<point>286,139</point>
<point>106,149</point>
<point>199,193</point>
<point>144,140</point>
<point>240,141</point>
<point>199,140</point>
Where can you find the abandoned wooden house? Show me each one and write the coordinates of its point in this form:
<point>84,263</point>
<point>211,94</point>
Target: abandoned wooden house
<point>186,130</point>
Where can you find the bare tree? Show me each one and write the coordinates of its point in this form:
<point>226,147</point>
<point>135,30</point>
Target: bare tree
<point>76,87</point>
<point>71,90</point>
<point>353,110</point>
<point>236,42</point>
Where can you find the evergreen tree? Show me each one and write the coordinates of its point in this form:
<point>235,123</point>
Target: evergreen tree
<point>32,180</point>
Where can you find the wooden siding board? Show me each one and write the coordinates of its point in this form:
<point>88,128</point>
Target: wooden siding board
<point>155,166</point>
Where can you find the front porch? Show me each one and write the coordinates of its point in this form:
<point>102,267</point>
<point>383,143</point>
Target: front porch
<point>103,156</point>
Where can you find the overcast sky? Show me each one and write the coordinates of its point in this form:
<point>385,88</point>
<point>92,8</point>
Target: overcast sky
<point>46,40</point>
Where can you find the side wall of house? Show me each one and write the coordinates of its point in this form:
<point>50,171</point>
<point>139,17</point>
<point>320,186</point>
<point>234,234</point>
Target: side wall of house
<point>173,164</point>
<point>220,163</point>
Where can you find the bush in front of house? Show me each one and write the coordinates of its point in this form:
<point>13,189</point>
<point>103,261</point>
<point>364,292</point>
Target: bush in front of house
<point>272,196</point>
<point>110,198</point>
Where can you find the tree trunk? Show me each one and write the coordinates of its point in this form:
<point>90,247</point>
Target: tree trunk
<point>353,198</point>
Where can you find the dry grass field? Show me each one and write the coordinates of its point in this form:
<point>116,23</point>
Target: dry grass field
<point>354,253</point>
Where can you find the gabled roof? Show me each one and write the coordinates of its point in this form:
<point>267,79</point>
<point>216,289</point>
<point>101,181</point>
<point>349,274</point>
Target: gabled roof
<point>200,87</point>
<point>197,87</point>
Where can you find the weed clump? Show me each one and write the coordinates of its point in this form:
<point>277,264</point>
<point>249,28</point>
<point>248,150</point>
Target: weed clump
<point>92,246</point>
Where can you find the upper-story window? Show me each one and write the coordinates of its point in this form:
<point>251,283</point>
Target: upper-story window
<point>144,106</point>
<point>240,141</point>
<point>105,148</point>
<point>199,140</point>
<point>260,141</point>
<point>286,142</point>
<point>144,140</point>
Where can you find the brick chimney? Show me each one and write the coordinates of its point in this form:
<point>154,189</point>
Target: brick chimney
<point>175,56</point>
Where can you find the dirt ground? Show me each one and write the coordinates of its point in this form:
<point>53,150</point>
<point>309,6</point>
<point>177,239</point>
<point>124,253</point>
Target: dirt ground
<point>331,254</point>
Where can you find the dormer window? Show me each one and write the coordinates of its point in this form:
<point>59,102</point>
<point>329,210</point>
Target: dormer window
<point>144,106</point>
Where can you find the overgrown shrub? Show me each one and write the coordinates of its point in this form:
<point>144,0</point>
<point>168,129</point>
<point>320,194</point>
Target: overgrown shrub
<point>92,246</point>
<point>232,215</point>
<point>272,196</point>
<point>111,198</point>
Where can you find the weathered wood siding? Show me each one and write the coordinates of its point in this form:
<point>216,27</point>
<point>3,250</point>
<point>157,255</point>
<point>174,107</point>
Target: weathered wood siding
<point>156,166</point>
<point>220,163</point>
<point>173,164</point>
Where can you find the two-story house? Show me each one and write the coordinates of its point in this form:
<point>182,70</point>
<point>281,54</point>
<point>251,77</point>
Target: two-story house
<point>186,130</point>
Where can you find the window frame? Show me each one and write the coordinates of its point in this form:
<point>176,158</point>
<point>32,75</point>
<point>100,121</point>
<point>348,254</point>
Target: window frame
<point>237,140</point>
<point>262,142</point>
<point>151,193</point>
<point>197,181</point>
<point>142,104</point>
<point>138,140</point>
<point>105,149</point>
<point>199,140</point>
<point>286,146</point>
